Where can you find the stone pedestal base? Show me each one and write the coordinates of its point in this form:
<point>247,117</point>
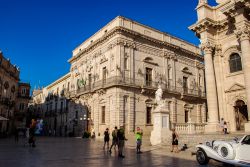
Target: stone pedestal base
<point>247,127</point>
<point>211,128</point>
<point>161,130</point>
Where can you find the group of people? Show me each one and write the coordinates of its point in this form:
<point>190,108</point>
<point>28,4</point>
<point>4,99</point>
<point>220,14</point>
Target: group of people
<point>29,133</point>
<point>118,139</point>
<point>223,126</point>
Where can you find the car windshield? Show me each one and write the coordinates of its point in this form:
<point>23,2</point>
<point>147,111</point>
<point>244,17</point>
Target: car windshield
<point>246,140</point>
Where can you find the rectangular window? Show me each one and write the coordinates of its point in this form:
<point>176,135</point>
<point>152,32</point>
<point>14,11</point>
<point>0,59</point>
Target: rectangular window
<point>23,92</point>
<point>68,86</point>
<point>55,107</point>
<point>104,74</point>
<point>90,80</point>
<point>148,119</point>
<point>149,76</point>
<point>185,84</point>
<point>103,114</point>
<point>125,63</point>
<point>186,116</point>
<point>61,108</point>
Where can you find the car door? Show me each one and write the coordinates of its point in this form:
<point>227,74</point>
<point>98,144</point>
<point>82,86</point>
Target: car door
<point>243,149</point>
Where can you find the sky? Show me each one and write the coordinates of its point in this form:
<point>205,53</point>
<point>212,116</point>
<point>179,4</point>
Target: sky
<point>39,35</point>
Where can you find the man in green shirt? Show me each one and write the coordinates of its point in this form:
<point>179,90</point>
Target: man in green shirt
<point>138,137</point>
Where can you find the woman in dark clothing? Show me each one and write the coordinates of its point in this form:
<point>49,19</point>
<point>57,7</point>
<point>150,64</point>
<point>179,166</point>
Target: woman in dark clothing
<point>174,141</point>
<point>106,138</point>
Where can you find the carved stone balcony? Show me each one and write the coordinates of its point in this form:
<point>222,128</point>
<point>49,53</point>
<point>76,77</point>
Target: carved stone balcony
<point>135,83</point>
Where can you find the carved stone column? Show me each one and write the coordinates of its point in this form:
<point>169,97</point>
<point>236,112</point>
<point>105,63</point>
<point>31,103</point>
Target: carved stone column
<point>244,37</point>
<point>210,88</point>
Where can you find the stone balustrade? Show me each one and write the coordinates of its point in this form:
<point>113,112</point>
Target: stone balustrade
<point>136,83</point>
<point>190,128</point>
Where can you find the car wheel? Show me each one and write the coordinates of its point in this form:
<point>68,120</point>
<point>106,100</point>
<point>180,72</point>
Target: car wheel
<point>201,157</point>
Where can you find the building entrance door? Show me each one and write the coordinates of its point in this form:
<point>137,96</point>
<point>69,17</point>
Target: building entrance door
<point>241,114</point>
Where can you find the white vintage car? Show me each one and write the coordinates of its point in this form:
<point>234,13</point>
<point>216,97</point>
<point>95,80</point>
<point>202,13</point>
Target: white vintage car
<point>235,152</point>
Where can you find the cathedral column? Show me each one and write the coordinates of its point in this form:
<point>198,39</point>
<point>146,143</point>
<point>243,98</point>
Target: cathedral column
<point>244,37</point>
<point>211,91</point>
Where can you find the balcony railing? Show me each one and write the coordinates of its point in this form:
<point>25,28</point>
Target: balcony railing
<point>121,81</point>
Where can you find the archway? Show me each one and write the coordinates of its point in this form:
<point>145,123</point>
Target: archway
<point>241,114</point>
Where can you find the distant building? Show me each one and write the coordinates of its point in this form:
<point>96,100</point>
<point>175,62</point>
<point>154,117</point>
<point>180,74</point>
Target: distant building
<point>62,116</point>
<point>224,34</point>
<point>114,75</point>
<point>9,95</point>
<point>23,98</point>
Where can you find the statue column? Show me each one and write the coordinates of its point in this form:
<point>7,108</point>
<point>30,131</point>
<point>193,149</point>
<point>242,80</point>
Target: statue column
<point>211,91</point>
<point>244,37</point>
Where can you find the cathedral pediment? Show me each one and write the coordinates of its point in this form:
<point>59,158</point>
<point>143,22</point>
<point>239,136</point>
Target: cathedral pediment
<point>235,87</point>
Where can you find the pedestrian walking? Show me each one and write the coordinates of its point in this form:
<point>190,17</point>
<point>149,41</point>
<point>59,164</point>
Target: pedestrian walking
<point>225,128</point>
<point>222,125</point>
<point>121,141</point>
<point>32,133</point>
<point>106,138</point>
<point>138,136</point>
<point>114,139</point>
<point>174,141</point>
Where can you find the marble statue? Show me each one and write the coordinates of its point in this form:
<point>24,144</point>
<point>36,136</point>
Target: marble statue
<point>158,95</point>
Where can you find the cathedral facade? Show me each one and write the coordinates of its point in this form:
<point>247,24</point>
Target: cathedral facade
<point>224,34</point>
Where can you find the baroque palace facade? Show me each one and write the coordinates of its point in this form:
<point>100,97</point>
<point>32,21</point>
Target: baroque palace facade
<point>224,34</point>
<point>14,97</point>
<point>114,75</point>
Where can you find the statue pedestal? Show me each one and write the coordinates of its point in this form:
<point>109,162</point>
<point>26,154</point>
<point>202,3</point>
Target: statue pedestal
<point>161,130</point>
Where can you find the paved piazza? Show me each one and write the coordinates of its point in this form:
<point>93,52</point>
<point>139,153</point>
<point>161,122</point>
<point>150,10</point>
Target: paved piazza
<point>76,152</point>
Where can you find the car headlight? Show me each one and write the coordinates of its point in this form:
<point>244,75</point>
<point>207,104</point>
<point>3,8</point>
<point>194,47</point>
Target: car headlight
<point>208,144</point>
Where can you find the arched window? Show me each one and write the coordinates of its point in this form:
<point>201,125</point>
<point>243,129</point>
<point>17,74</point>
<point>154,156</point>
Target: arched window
<point>235,63</point>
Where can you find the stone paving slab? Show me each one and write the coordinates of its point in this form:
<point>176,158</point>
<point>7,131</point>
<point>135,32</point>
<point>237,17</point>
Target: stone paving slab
<point>77,152</point>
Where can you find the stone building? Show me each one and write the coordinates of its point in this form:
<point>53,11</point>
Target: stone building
<point>62,117</point>
<point>9,95</point>
<point>23,98</point>
<point>113,78</point>
<point>116,72</point>
<point>224,34</point>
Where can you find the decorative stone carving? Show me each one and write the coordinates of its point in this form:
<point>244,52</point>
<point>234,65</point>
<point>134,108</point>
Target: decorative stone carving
<point>201,2</point>
<point>207,47</point>
<point>242,33</point>
<point>101,92</point>
<point>103,59</point>
<point>218,50</point>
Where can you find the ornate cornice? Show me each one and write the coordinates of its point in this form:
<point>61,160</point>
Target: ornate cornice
<point>231,9</point>
<point>135,35</point>
<point>207,24</point>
